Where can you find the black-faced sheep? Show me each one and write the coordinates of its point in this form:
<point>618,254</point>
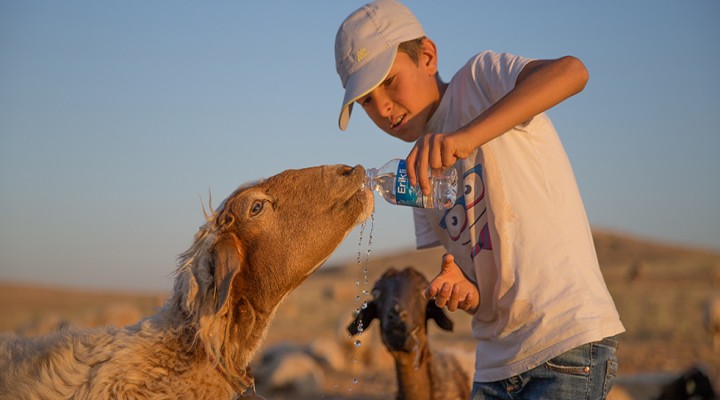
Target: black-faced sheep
<point>422,373</point>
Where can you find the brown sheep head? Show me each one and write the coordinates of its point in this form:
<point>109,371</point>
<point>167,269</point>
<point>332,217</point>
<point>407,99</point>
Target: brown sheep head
<point>402,310</point>
<point>260,244</point>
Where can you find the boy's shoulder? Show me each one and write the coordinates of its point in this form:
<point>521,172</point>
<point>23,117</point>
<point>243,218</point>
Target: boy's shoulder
<point>496,57</point>
<point>487,63</point>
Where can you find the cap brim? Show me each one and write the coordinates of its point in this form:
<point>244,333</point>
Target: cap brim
<point>364,80</point>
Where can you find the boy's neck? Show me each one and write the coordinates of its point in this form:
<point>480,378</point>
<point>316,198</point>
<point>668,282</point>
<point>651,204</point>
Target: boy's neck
<point>441,88</point>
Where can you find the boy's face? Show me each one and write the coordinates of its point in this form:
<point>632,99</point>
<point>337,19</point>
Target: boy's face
<point>406,99</point>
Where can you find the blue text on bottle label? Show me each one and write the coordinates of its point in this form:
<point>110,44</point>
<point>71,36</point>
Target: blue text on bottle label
<point>405,194</point>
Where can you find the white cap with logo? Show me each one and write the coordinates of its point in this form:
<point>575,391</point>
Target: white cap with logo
<point>366,45</point>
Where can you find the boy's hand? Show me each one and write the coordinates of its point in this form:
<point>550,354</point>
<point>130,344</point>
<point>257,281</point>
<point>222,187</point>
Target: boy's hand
<point>452,289</point>
<point>435,152</point>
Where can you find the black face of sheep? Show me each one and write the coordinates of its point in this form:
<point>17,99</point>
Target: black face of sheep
<point>694,384</point>
<point>402,310</point>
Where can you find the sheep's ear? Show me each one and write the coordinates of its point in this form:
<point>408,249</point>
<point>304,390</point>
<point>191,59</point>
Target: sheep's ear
<point>365,315</point>
<point>436,313</point>
<point>229,304</point>
<point>227,262</point>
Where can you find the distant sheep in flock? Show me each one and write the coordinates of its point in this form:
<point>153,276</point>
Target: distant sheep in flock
<point>422,373</point>
<point>693,384</point>
<point>261,243</point>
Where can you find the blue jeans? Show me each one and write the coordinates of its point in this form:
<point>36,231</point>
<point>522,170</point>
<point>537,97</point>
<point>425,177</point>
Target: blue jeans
<point>583,373</point>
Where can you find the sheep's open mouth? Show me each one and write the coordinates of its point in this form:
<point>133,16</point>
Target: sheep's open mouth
<point>365,197</point>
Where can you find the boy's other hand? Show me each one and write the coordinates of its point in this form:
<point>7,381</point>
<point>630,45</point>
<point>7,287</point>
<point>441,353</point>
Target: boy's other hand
<point>452,289</point>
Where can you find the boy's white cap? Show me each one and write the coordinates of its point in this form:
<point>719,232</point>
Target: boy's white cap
<point>366,45</point>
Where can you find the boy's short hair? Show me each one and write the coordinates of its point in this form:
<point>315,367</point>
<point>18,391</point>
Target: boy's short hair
<point>412,48</point>
<point>366,45</point>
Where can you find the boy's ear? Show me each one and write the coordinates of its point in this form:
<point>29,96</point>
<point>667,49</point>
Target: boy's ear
<point>429,56</point>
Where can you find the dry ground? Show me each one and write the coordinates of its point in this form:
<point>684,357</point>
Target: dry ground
<point>660,292</point>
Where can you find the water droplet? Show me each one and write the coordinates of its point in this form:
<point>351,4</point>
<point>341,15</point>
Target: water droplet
<point>372,226</point>
<point>355,381</point>
<point>362,229</point>
<point>357,279</point>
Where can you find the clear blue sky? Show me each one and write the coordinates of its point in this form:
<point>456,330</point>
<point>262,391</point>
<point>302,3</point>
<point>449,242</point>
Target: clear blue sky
<point>117,117</point>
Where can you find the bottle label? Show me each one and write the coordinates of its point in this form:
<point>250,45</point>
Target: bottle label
<point>405,194</point>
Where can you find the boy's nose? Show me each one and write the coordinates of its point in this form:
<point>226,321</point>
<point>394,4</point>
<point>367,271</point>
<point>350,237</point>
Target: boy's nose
<point>384,106</point>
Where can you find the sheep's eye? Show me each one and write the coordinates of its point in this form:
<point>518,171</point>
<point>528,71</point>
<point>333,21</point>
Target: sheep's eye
<point>256,208</point>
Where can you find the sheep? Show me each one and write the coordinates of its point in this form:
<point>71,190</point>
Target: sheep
<point>261,243</point>
<point>422,373</point>
<point>693,384</point>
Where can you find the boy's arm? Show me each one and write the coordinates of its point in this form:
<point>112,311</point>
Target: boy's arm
<point>541,85</point>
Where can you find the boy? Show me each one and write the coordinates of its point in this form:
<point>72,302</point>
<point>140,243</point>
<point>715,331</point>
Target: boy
<point>520,256</point>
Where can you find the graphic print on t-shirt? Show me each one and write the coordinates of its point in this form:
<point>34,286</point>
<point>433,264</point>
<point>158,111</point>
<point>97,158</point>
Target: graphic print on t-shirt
<point>457,220</point>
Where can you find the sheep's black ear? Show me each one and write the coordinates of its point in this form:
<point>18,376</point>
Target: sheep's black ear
<point>436,313</point>
<point>365,315</point>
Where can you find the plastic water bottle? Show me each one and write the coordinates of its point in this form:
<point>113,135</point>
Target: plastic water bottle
<point>392,183</point>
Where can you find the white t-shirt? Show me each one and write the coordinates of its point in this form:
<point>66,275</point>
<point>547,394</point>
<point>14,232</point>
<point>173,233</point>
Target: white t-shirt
<point>519,230</point>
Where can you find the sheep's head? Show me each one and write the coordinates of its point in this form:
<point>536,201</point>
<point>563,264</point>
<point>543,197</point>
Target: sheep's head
<point>261,243</point>
<point>402,310</point>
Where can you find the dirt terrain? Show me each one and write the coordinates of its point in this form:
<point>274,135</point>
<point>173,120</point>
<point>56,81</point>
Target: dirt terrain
<point>661,293</point>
